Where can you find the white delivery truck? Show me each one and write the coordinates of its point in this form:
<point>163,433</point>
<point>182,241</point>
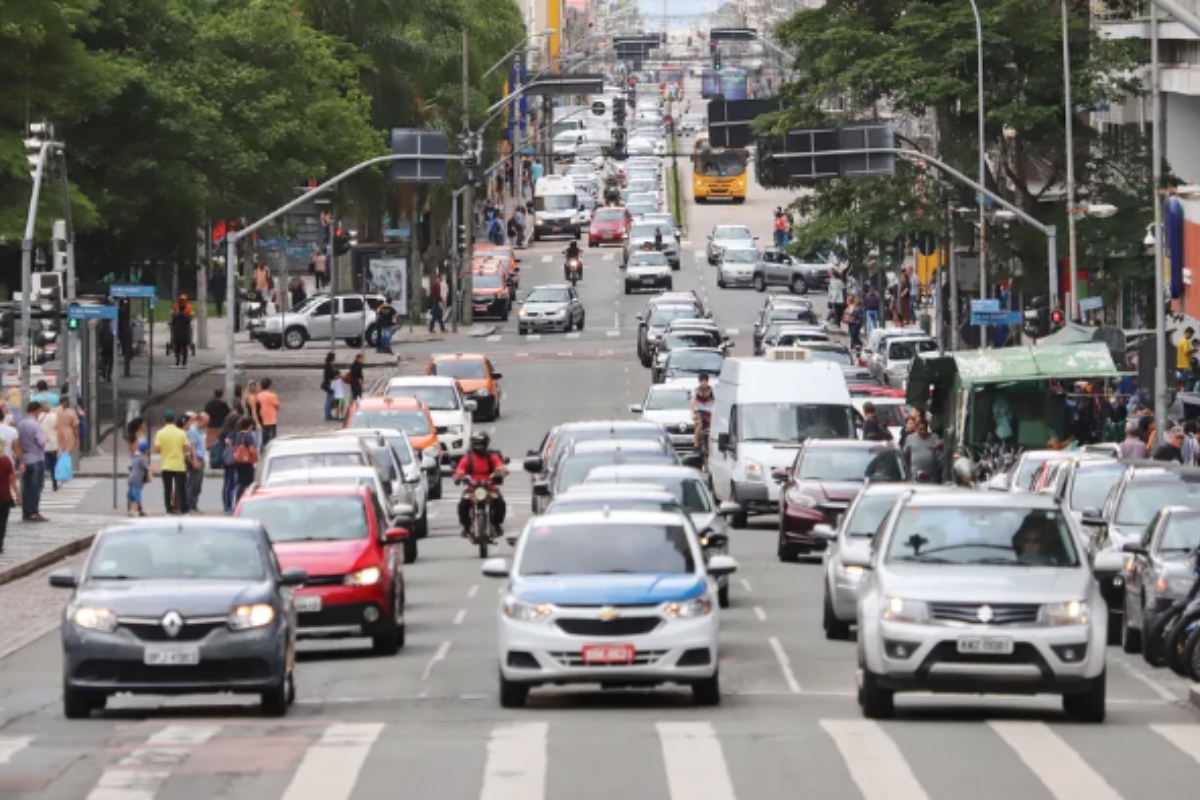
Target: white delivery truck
<point>556,208</point>
<point>764,411</point>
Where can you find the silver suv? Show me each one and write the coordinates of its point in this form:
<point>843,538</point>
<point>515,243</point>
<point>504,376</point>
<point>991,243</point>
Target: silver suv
<point>981,593</point>
<point>315,320</point>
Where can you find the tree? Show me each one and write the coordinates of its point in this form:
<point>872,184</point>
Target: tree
<point>915,60</point>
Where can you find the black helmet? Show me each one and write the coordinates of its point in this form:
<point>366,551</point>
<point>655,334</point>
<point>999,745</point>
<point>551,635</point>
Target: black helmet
<point>480,441</point>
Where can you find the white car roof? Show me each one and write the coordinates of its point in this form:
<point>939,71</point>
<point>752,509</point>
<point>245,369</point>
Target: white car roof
<point>422,380</point>
<point>619,472</point>
<point>613,517</point>
<point>585,446</point>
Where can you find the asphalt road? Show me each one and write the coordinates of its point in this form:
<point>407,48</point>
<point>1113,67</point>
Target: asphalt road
<point>427,724</point>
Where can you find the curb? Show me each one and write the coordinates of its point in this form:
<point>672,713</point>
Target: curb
<point>91,473</point>
<point>1194,695</point>
<point>46,559</point>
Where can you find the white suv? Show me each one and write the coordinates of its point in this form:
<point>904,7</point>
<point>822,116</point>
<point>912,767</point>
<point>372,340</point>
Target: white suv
<point>314,320</point>
<point>451,411</point>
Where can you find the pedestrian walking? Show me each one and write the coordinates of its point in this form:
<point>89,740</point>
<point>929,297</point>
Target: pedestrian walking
<point>245,456</point>
<point>49,422</point>
<point>31,438</point>
<point>221,455</point>
<point>268,411</point>
<point>385,320</point>
<point>320,268</point>
<point>197,425</point>
<point>329,374</point>
<point>262,285</point>
<point>171,446</point>
<point>217,410</point>
<point>181,330</point>
<point>140,474</point>
<point>68,426</point>
<point>357,378</point>
<point>252,411</point>
<point>8,480</point>
<point>437,304</point>
<point>338,391</point>
<point>8,434</point>
<point>298,291</point>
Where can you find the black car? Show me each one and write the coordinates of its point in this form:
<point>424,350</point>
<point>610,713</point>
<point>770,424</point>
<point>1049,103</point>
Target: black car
<point>679,339</point>
<point>179,606</point>
<point>652,327</point>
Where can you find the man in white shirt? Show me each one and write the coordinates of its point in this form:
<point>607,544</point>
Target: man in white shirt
<point>8,432</point>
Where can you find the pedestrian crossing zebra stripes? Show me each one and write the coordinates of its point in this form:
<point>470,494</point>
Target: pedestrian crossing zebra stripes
<point>736,758</point>
<point>69,495</point>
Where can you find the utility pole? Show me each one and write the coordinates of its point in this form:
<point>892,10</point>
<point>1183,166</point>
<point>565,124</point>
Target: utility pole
<point>1072,264</point>
<point>1160,287</point>
<point>465,297</point>
<point>202,289</point>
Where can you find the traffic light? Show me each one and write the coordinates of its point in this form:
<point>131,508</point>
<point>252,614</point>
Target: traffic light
<point>1056,320</point>
<point>72,323</point>
<point>1037,323</point>
<point>462,240</point>
<point>716,59</point>
<point>341,243</point>
<point>619,111</point>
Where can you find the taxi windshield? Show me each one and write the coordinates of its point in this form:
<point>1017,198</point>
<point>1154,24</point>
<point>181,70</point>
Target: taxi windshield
<point>992,536</point>
<point>487,280</point>
<point>469,369</point>
<point>605,550</point>
<point>436,398</point>
<point>409,420</point>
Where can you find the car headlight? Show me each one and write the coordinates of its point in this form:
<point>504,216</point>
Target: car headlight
<point>258,615</point>
<point>799,498</point>
<point>454,428</point>
<point>1074,612</point>
<point>689,609</point>
<point>754,471</point>
<point>526,612</point>
<point>1176,586</point>
<point>95,619</point>
<point>482,393</point>
<point>850,571</point>
<point>368,576</point>
<point>896,609</point>
<point>562,312</point>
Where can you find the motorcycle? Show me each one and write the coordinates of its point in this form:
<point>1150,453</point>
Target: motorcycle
<point>704,425</point>
<point>717,544</point>
<point>574,271</point>
<point>1165,642</point>
<point>482,494</point>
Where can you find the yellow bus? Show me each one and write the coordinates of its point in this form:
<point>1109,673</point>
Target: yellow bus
<point>718,173</point>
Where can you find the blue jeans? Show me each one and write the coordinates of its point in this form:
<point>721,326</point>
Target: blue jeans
<point>229,488</point>
<point>436,317</point>
<point>329,404</point>
<point>32,483</point>
<point>872,321</point>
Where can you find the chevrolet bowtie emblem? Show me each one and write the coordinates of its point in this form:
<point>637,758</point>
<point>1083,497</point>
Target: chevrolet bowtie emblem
<point>608,613</point>
<point>985,614</point>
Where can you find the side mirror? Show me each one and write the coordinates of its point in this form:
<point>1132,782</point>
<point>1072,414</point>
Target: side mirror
<point>1134,548</point>
<point>63,579</point>
<point>1091,517</point>
<point>495,568</point>
<point>779,474</point>
<point>856,558</point>
<point>496,376</point>
<point>395,535</point>
<point>710,237</point>
<point>533,464</point>
<point>693,461</point>
<point>506,460</point>
<point>720,566</point>
<point>640,318</point>
<point>729,509</point>
<point>635,409</point>
<point>293,576</point>
<point>429,463</point>
<point>1108,563</point>
<point>723,442</point>
<point>823,531</point>
<point>714,539</point>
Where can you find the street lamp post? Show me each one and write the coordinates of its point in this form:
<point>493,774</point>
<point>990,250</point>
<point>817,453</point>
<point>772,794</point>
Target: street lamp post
<point>983,285</point>
<point>1160,287</point>
<point>1069,113</point>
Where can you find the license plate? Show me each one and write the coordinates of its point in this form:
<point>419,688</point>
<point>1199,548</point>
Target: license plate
<point>992,647</point>
<point>556,229</point>
<point>308,605</point>
<point>608,653</point>
<point>648,280</point>
<point>480,309</point>
<point>171,656</point>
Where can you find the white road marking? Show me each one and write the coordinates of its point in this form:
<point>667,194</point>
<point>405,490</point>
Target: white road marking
<point>616,320</point>
<point>533,337</point>
<point>731,331</point>
<point>702,254</point>
<point>613,333</point>
<point>567,354</point>
<point>460,616</point>
<point>11,745</point>
<point>607,257</point>
<point>572,335</point>
<point>1057,765</point>
<point>516,763</point>
<point>140,775</point>
<point>1184,737</point>
<point>330,767</point>
<point>746,585</point>
<point>785,665</point>
<point>762,615</point>
<point>440,655</point>
<point>494,337</point>
<point>547,259</point>
<point>474,590</point>
<point>875,763</point>
<point>694,762</point>
<point>1154,685</point>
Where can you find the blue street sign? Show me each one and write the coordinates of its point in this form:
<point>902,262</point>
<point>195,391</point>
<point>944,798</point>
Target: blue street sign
<point>92,312</point>
<point>989,306</point>
<point>133,290</point>
<point>995,317</point>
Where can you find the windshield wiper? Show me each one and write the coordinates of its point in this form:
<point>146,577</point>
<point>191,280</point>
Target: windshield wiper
<point>538,573</point>
<point>926,559</point>
<point>117,578</point>
<point>1000,562</point>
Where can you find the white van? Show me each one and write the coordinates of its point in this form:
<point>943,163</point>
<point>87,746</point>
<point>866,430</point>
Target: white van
<point>765,408</point>
<point>556,207</point>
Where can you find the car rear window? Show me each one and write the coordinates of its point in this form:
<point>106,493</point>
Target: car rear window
<point>308,519</point>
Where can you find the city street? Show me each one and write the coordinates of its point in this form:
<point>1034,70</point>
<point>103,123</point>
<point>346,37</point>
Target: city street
<point>426,723</point>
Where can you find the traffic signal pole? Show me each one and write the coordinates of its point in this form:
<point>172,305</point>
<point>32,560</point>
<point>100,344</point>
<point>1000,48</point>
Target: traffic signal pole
<point>467,294</point>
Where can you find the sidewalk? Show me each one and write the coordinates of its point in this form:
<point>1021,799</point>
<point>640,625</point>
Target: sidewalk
<point>30,546</point>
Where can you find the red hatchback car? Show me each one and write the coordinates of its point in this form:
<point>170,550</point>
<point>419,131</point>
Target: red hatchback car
<point>609,226</point>
<point>338,535</point>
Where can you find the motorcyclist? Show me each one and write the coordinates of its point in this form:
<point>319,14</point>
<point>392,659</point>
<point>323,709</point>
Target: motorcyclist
<point>481,464</point>
<point>658,239</point>
<point>573,254</point>
<point>702,404</point>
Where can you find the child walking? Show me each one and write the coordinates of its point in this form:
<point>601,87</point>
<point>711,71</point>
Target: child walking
<point>139,476</point>
<point>338,387</point>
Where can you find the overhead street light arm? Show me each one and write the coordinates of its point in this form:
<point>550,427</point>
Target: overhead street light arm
<point>514,50</point>
<point>1181,14</point>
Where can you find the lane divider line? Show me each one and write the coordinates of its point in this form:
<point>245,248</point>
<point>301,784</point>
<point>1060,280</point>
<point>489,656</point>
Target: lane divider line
<point>762,615</point>
<point>785,666</point>
<point>440,655</point>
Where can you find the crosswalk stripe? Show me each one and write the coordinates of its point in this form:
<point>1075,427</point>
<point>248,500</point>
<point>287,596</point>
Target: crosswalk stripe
<point>694,761</point>
<point>11,745</point>
<point>547,259</point>
<point>70,494</point>
<point>875,763</point>
<point>607,257</point>
<point>573,335</point>
<point>1184,737</point>
<point>516,763</point>
<point>330,767</point>
<point>139,775</point>
<point>1055,763</point>
<point>613,333</point>
<point>495,337</point>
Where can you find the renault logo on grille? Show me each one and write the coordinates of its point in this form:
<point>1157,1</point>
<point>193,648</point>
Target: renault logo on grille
<point>172,623</point>
<point>608,613</point>
<point>985,614</point>
<point>683,427</point>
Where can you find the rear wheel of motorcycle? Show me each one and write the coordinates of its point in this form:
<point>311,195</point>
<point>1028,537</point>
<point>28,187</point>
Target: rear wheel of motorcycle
<point>1154,645</point>
<point>481,531</point>
<point>1191,656</point>
<point>1176,651</point>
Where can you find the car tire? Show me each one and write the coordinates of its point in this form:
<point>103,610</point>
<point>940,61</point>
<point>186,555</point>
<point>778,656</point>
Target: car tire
<point>513,694</point>
<point>522,331</point>
<point>420,528</point>
<point>723,596</point>
<point>1116,622</point>
<point>389,640</point>
<point>799,286</point>
<point>80,703</point>
<point>294,337</point>
<point>410,549</point>
<point>435,488</point>
<point>876,701</point>
<point>707,692</point>
<point>670,286</point>
<point>785,552</point>
<point>760,283</point>
<point>628,289</point>
<point>582,319</point>
<point>274,702</point>
<point>741,519</point>
<point>1089,705</point>
<point>835,629</point>
<point>504,314</point>
<point>1131,639</point>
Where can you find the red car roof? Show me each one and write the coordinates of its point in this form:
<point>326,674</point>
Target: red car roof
<point>312,490</point>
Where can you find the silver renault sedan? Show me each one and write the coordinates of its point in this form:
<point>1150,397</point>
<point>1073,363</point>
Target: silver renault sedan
<point>981,593</point>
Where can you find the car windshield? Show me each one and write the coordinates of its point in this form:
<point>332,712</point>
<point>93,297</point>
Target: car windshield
<point>196,554</point>
<point>308,519</point>
<point>654,259</point>
<point>868,513</point>
<point>1093,483</point>
<point>851,464</point>
<point>549,295</point>
<point>674,341</point>
<point>291,463</point>
<point>574,469</point>
<point>610,215</point>
<point>305,478</point>
<point>795,338</point>
<point>733,233</point>
<point>740,256</point>
<point>467,368</point>
<point>435,398</point>
<point>383,459</point>
<point>907,350</point>
<point>641,206</point>
<point>664,221</point>
<point>695,361</point>
<point>688,491</point>
<point>1182,534</point>
<point>411,421</point>
<point>1015,537</point>
<point>789,314</point>
<point>487,280</point>
<point>891,415</point>
<point>640,187</point>
<point>789,422</point>
<point>645,230</point>
<point>555,202</point>
<point>628,548</point>
<point>1141,500</point>
<point>668,400</point>
<point>623,503</point>
<point>834,356</point>
<point>664,314</point>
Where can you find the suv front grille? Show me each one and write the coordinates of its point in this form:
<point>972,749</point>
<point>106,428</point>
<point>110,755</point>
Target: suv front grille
<point>1000,613</point>
<point>621,626</point>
